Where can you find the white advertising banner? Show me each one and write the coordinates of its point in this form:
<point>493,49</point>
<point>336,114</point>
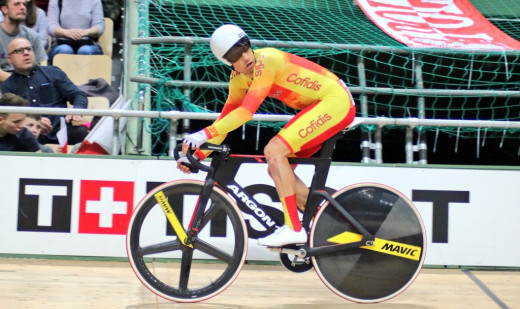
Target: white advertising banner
<point>437,24</point>
<point>81,206</point>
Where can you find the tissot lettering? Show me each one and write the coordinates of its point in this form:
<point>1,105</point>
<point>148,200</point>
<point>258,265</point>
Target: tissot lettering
<point>46,195</point>
<point>441,200</point>
<point>314,124</point>
<point>45,205</point>
<point>259,213</point>
<point>304,82</point>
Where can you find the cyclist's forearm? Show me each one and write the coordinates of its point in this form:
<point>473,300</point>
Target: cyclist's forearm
<point>230,122</point>
<point>216,140</point>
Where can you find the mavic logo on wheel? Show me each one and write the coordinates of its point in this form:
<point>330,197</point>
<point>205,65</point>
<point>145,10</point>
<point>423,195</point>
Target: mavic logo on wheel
<point>400,250</point>
<point>380,245</point>
<point>161,198</point>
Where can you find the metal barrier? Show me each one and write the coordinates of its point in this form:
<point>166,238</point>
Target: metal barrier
<point>366,140</point>
<point>175,116</point>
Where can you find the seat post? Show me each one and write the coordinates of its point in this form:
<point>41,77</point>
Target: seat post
<point>327,148</point>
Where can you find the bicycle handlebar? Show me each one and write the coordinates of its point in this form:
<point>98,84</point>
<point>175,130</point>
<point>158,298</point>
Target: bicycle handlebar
<point>195,165</point>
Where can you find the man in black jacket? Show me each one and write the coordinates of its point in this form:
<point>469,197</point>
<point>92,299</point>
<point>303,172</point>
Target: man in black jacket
<point>44,86</point>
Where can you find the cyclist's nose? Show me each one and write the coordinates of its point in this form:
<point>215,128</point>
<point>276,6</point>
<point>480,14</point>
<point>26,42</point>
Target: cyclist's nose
<point>243,56</point>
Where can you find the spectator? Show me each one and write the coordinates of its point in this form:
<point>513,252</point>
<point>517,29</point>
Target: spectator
<point>36,20</point>
<point>15,13</point>
<point>75,25</point>
<point>42,4</point>
<point>33,123</point>
<point>45,86</point>
<point>13,135</point>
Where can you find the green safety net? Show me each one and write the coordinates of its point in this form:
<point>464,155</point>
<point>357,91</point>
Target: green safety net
<point>389,65</point>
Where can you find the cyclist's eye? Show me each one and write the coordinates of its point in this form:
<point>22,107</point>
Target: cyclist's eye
<point>234,54</point>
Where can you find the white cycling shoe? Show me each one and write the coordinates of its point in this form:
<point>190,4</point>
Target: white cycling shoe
<point>283,236</point>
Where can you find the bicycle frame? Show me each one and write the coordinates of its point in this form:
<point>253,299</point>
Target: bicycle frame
<point>222,172</point>
<point>340,248</point>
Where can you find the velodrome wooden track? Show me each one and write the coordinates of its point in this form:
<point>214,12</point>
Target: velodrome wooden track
<point>72,284</point>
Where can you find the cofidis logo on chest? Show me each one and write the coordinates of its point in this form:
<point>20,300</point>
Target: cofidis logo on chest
<point>304,82</point>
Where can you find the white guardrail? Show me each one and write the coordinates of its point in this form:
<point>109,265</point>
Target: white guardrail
<point>177,115</point>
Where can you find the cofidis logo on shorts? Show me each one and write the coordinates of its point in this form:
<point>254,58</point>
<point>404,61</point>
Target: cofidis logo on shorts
<point>314,125</point>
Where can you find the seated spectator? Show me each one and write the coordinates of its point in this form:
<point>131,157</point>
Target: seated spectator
<point>13,135</point>
<point>45,86</point>
<point>15,13</point>
<point>35,20</point>
<point>33,123</point>
<point>75,25</point>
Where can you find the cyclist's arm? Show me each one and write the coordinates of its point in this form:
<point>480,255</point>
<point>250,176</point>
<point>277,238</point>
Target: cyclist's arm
<point>257,93</point>
<point>237,90</point>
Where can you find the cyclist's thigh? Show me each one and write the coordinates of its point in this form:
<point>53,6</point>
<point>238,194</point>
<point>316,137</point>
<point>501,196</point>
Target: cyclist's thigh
<point>318,122</point>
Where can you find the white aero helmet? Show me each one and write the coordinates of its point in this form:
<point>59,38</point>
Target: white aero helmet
<point>224,38</point>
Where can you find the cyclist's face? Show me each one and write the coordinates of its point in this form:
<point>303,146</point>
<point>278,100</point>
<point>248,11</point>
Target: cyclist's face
<point>246,63</point>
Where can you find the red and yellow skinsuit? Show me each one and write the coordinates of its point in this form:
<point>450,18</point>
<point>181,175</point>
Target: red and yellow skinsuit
<point>326,104</point>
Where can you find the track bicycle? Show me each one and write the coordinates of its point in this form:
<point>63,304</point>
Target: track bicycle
<point>366,241</point>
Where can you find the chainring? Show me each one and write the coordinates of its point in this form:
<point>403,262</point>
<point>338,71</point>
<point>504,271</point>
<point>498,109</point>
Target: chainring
<point>295,264</point>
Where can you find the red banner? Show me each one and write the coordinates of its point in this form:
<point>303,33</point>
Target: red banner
<point>437,24</point>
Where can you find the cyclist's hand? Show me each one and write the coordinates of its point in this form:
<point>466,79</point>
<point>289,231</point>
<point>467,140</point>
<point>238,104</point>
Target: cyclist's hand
<point>184,167</point>
<point>196,139</point>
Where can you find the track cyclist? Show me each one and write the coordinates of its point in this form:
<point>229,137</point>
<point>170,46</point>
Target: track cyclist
<point>325,103</point>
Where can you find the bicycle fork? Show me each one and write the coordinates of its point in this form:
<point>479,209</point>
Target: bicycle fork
<point>198,214</point>
<point>187,238</point>
<point>172,218</point>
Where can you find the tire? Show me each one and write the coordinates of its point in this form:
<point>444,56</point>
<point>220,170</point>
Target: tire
<point>172,270</point>
<point>363,274</point>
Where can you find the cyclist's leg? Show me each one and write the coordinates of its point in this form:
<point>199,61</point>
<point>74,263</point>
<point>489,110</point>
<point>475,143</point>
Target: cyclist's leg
<point>305,133</point>
<point>315,124</point>
<point>282,173</point>
<point>276,154</point>
<point>307,130</point>
<point>301,190</point>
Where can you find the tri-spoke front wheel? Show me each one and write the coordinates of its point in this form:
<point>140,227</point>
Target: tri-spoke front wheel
<point>176,270</point>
